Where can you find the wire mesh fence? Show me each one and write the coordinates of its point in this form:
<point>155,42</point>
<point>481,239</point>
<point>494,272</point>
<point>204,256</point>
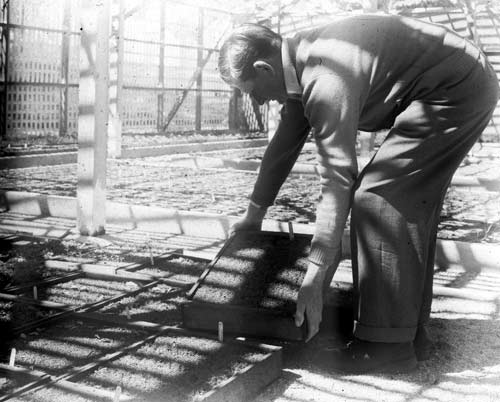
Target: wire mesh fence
<point>165,54</point>
<point>39,68</point>
<point>165,60</point>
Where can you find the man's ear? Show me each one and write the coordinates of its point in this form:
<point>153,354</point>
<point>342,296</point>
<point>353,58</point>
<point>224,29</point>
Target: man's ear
<point>262,66</point>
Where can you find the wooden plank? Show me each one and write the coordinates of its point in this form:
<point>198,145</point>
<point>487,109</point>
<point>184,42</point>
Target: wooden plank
<point>92,125</point>
<point>42,284</point>
<point>102,271</point>
<point>108,319</point>
<point>69,311</point>
<point>68,386</point>
<point>240,320</point>
<point>204,274</point>
<point>249,382</point>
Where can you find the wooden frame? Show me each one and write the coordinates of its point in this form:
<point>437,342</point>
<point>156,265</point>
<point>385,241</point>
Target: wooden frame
<point>240,318</point>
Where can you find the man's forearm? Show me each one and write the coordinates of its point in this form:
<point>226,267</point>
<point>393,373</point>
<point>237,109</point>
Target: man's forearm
<point>281,153</point>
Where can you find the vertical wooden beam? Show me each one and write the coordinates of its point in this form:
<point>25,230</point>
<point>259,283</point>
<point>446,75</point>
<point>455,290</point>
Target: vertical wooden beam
<point>6,35</point>
<point>161,72</point>
<point>63,117</point>
<point>200,63</point>
<point>279,17</point>
<point>370,6</point>
<point>115,128</point>
<point>93,118</point>
<point>470,10</point>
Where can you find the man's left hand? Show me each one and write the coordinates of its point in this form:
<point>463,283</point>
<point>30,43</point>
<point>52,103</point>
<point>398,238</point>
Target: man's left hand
<point>310,299</point>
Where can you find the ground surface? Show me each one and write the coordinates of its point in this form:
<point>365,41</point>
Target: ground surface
<point>184,367</point>
<point>465,361</point>
<point>470,214</point>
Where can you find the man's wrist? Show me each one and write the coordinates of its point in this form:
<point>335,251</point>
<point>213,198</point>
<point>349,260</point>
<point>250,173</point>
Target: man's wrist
<point>257,206</point>
<point>255,212</point>
<point>322,267</point>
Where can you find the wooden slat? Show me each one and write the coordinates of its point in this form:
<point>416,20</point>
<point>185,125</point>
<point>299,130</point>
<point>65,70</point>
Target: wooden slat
<point>68,386</point>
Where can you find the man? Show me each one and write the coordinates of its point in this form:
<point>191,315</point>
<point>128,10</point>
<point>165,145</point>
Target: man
<point>435,92</point>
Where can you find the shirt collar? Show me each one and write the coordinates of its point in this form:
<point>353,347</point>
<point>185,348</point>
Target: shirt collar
<point>293,88</point>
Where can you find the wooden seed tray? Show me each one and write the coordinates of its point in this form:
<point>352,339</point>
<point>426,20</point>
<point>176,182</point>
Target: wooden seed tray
<point>251,286</point>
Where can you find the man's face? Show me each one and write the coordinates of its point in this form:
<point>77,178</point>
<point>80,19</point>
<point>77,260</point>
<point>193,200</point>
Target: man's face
<point>263,87</point>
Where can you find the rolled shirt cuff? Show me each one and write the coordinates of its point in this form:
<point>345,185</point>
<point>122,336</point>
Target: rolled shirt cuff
<point>323,255</point>
<point>254,204</point>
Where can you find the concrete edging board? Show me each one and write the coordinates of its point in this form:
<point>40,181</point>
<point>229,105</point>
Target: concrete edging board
<point>216,226</point>
<point>61,158</point>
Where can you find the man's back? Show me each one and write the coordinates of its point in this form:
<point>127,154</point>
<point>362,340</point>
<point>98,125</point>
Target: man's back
<point>388,60</point>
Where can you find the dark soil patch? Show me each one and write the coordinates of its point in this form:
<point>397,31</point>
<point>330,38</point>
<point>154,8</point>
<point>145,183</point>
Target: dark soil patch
<point>258,270</point>
<point>252,286</point>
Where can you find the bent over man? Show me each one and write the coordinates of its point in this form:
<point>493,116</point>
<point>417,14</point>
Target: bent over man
<point>435,92</point>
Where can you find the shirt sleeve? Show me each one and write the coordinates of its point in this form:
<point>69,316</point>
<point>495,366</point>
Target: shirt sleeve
<point>281,153</point>
<point>332,108</point>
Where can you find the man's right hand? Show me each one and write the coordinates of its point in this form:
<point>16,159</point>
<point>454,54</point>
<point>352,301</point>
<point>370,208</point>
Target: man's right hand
<point>251,221</point>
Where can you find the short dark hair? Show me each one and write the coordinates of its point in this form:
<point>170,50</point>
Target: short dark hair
<point>246,44</point>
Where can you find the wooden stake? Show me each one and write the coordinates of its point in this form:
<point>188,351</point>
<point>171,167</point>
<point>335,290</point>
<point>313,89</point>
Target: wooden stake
<point>221,331</point>
<point>148,245</point>
<point>35,293</point>
<point>118,393</point>
<point>290,231</point>
<point>12,361</point>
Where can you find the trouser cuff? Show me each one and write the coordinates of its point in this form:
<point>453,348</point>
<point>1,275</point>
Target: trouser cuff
<point>387,335</point>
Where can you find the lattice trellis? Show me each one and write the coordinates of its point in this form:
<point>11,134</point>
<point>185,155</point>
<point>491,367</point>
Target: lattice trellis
<point>162,59</point>
<point>41,74</point>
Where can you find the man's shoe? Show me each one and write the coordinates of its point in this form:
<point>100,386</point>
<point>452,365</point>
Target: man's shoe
<point>422,344</point>
<point>375,357</point>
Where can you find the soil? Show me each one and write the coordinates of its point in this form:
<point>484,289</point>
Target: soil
<point>469,214</point>
<point>257,270</point>
<point>182,367</point>
<point>153,305</point>
<point>177,368</point>
<point>178,268</point>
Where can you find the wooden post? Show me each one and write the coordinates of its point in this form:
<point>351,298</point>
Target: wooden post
<point>63,118</point>
<point>200,63</point>
<point>5,34</point>
<point>161,72</point>
<point>470,10</point>
<point>93,118</point>
<point>115,127</point>
<point>370,6</point>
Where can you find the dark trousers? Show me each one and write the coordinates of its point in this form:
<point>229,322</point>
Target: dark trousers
<point>398,198</point>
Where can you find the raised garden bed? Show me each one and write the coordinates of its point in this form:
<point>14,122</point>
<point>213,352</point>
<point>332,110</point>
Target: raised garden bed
<point>117,329</point>
<point>172,365</point>
<point>252,286</point>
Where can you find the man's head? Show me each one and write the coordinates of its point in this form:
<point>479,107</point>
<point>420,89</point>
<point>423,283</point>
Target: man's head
<point>250,60</point>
